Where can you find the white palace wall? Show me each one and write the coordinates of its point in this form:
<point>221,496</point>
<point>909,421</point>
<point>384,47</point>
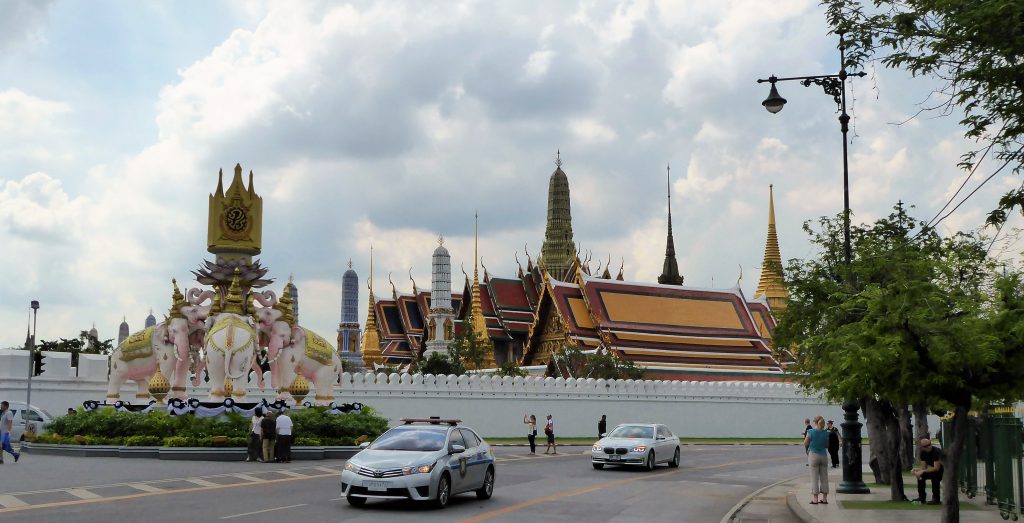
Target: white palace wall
<point>494,405</point>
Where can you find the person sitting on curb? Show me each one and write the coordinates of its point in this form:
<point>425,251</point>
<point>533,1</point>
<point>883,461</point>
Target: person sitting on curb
<point>931,468</point>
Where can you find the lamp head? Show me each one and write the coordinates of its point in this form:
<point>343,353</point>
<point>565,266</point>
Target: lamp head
<point>35,305</point>
<point>774,102</point>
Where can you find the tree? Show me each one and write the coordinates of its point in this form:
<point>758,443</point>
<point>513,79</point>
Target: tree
<point>440,364</point>
<point>85,343</point>
<point>510,368</point>
<point>975,49</point>
<point>467,349</point>
<point>572,362</point>
<point>920,320</point>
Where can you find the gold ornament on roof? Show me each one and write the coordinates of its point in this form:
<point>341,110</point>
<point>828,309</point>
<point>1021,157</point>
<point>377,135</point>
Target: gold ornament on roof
<point>234,302</point>
<point>177,301</point>
<point>228,386</point>
<point>284,304</point>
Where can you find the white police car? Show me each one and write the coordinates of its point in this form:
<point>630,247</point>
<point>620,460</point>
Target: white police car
<point>426,459</point>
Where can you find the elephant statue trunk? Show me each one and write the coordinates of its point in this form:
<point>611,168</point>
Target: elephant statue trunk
<point>265,298</point>
<point>198,296</point>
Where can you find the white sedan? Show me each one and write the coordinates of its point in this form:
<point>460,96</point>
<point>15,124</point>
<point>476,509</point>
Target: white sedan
<point>642,444</point>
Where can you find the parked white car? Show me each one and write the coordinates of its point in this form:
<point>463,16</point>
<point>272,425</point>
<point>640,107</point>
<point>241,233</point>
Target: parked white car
<point>639,444</point>
<point>37,417</point>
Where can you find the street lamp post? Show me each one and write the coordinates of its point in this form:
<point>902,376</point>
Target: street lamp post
<point>31,359</point>
<point>834,85</point>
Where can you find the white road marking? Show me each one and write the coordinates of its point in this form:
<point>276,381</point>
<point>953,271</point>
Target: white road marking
<point>247,477</point>
<point>9,501</point>
<point>145,488</point>
<point>83,494</point>
<point>325,469</point>
<point>262,511</point>
<point>202,482</point>
<point>292,474</point>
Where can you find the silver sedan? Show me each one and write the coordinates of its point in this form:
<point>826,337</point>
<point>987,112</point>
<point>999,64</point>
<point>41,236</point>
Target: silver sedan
<point>638,444</point>
<point>423,460</point>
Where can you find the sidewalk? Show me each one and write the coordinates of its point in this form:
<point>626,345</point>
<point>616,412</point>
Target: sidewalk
<point>798,498</point>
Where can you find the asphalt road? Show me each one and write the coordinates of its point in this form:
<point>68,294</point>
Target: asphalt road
<point>711,480</point>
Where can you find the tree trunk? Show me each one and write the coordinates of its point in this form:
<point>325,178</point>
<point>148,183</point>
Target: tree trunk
<point>877,438</point>
<point>951,465</point>
<point>906,438</point>
<point>920,427</point>
<point>894,434</point>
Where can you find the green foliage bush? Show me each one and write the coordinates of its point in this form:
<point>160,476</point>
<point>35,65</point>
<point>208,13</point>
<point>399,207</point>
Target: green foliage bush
<point>307,441</point>
<point>108,427</point>
<point>143,441</point>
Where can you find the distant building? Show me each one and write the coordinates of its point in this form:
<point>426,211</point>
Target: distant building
<point>123,331</point>
<point>150,320</point>
<point>348,328</point>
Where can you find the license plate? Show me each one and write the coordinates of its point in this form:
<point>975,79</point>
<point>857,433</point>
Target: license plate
<point>377,485</point>
<point>613,457</point>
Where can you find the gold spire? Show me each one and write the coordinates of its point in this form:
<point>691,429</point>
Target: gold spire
<point>284,304</point>
<point>235,222</point>
<point>234,299</point>
<point>371,339</point>
<point>476,312</point>
<point>771,285</point>
<point>177,301</point>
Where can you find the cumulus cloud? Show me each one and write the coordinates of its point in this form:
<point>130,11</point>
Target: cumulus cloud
<point>391,123</point>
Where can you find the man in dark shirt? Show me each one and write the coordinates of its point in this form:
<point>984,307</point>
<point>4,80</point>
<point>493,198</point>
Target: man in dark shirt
<point>931,468</point>
<point>269,429</point>
<point>834,441</point>
<point>602,426</point>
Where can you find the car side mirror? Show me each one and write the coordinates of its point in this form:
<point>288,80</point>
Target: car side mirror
<point>364,444</point>
<point>456,449</point>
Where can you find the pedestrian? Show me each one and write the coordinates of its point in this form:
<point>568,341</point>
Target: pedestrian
<point>549,431</point>
<point>816,442</point>
<point>602,426</point>
<point>255,437</point>
<point>71,411</point>
<point>284,438</point>
<point>6,426</point>
<point>268,435</point>
<point>931,468</point>
<point>531,431</point>
<point>807,428</point>
<point>834,441</point>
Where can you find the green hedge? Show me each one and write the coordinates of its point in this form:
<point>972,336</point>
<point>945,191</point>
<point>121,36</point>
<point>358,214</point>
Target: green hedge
<point>312,427</point>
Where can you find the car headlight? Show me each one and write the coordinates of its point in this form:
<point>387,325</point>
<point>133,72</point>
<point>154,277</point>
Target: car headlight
<point>639,448</point>
<point>597,447</point>
<point>349,466</point>
<point>422,469</point>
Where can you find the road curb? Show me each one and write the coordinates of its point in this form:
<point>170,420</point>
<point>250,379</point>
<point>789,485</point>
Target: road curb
<point>798,510</point>
<point>183,453</point>
<point>743,502</point>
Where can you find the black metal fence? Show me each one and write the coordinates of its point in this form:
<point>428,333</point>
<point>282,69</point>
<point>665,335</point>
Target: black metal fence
<point>992,450</point>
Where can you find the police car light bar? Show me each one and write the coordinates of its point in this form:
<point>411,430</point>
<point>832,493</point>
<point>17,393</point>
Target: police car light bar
<point>431,420</point>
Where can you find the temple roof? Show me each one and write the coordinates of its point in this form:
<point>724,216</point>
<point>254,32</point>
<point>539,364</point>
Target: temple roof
<point>771,284</point>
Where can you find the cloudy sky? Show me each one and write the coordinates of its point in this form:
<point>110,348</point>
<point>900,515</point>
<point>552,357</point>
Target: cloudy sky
<point>391,122</point>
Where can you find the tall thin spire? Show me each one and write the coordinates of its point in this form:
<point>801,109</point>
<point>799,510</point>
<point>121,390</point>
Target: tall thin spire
<point>371,340</point>
<point>771,285</point>
<point>559,249</point>
<point>477,310</point>
<point>670,268</point>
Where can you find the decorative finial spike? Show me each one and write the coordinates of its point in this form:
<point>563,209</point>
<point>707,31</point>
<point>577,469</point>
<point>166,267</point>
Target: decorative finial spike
<point>350,263</point>
<point>558,158</point>
<point>440,240</point>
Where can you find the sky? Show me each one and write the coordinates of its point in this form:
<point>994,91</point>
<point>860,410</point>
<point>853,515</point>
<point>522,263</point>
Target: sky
<point>390,123</point>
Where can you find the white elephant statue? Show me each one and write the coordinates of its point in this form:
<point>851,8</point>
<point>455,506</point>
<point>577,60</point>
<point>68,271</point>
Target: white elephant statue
<point>164,346</point>
<point>231,344</point>
<point>292,349</point>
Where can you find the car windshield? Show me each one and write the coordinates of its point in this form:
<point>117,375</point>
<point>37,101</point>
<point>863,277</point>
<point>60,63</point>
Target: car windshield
<point>411,439</point>
<point>632,431</point>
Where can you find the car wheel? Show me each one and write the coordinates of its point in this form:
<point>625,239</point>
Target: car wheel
<point>355,501</point>
<point>485,490</point>
<point>650,461</point>
<point>444,492</point>
<point>675,460</point>
<point>598,466</point>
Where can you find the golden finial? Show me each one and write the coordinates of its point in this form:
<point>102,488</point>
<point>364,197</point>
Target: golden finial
<point>414,290</point>
<point>234,297</point>
<point>440,240</point>
<point>371,340</point>
<point>177,301</point>
<point>284,304</point>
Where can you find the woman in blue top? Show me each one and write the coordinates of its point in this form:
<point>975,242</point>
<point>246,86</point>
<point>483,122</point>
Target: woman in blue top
<point>816,442</point>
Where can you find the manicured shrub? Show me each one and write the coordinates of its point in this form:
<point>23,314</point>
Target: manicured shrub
<point>307,441</point>
<point>143,441</point>
<point>180,441</point>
